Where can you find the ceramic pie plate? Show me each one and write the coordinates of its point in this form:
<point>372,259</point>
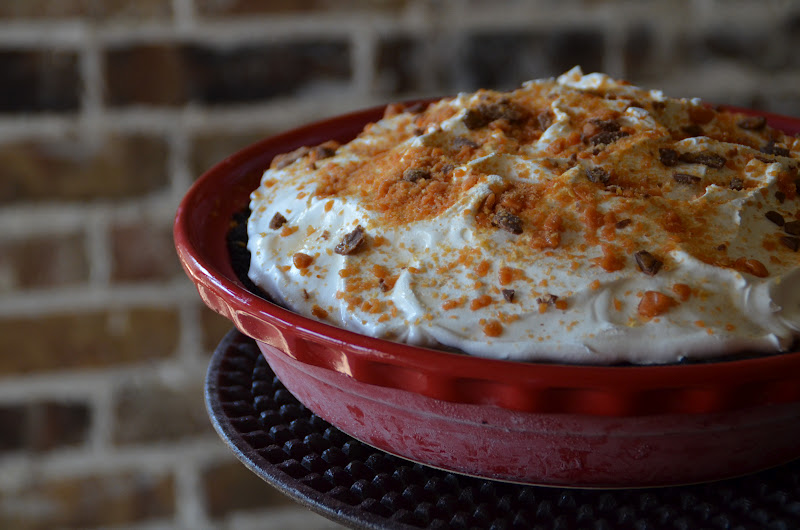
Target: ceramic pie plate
<point>532,423</point>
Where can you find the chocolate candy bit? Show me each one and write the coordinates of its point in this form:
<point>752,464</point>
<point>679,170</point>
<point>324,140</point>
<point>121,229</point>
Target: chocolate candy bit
<point>507,221</point>
<point>461,141</point>
<point>277,221</point>
<point>474,119</point>
<point>667,156</point>
<point>607,137</point>
<point>753,123</point>
<point>771,149</point>
<point>597,175</point>
<point>508,294</point>
<point>736,184</point>
<point>685,178</point>
<point>792,243</point>
<point>707,158</point>
<point>414,174</point>
<point>322,151</point>
<point>282,160</point>
<point>623,224</point>
<point>775,217</point>
<point>548,299</point>
<point>792,228</point>
<point>647,263</point>
<point>780,196</point>
<point>693,130</point>
<point>605,125</point>
<point>484,114</point>
<point>351,242</point>
<point>545,119</point>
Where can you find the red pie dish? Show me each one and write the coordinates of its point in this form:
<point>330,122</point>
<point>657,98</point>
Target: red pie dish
<point>533,423</point>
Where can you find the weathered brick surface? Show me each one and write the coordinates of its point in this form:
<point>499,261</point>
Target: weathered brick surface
<point>638,53</point>
<point>152,74</point>
<point>39,80</point>
<point>153,411</point>
<point>214,327</point>
<point>111,106</point>
<point>171,74</point>
<point>93,9</point>
<point>43,425</point>
<point>250,7</point>
<point>93,501</point>
<point>12,435</point>
<point>504,60</point>
<point>209,148</point>
<point>54,424</point>
<point>43,261</point>
<point>230,487</point>
<point>752,47</point>
<point>86,340</point>
<point>69,169</point>
<point>401,63</point>
<point>143,251</point>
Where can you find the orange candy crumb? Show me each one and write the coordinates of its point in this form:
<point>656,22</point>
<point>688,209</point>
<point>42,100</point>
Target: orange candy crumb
<point>682,290</point>
<point>654,303</point>
<point>493,328</point>
<point>480,302</point>
<point>302,261</point>
<point>288,230</point>
<point>483,268</point>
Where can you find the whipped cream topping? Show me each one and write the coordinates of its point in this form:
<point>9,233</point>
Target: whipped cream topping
<point>577,219</point>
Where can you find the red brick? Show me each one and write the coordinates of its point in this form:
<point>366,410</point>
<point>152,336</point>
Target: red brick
<point>230,487</point>
<point>749,46</point>
<point>152,74</point>
<point>143,251</point>
<point>258,72</point>
<point>93,9</point>
<point>64,169</point>
<point>638,54</point>
<point>35,81</point>
<point>43,426</point>
<point>400,65</point>
<point>154,412</point>
<point>83,340</point>
<point>56,424</point>
<point>90,502</point>
<point>210,148</point>
<point>173,74</point>
<point>214,327</point>
<point>251,7</point>
<point>43,261</point>
<point>12,436</point>
<point>504,59</point>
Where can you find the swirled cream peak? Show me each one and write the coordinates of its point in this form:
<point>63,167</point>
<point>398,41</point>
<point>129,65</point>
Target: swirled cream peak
<point>577,219</point>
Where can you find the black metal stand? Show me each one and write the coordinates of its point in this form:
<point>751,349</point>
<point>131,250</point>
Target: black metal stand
<point>354,484</point>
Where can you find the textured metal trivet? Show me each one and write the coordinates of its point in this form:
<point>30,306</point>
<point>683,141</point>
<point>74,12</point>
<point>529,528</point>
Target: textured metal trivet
<point>350,482</point>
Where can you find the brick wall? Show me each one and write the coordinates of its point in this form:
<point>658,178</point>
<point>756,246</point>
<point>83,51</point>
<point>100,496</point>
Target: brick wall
<point>108,111</point>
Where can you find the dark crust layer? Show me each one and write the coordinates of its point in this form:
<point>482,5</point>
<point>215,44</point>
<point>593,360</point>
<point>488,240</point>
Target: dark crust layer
<point>236,240</point>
